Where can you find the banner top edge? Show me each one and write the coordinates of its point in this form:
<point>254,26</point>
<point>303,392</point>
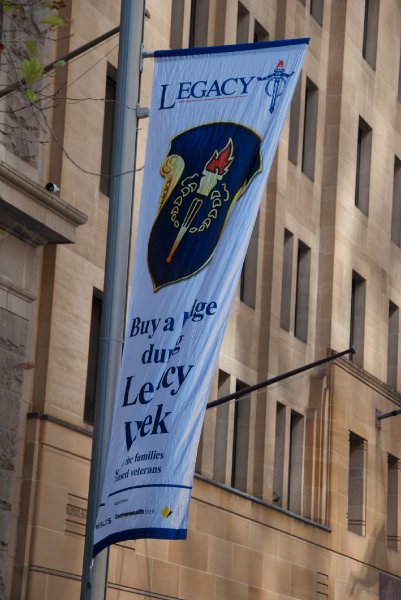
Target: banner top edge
<point>228,48</point>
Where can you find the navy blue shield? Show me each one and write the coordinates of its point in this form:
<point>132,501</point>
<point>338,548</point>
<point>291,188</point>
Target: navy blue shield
<point>206,171</point>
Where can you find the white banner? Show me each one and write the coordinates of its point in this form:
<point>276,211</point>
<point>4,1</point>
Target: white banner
<point>215,121</point>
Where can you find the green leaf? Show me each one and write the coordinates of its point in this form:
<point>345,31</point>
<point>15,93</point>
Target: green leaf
<point>53,21</point>
<point>32,70</point>
<point>31,95</point>
<point>55,4</point>
<point>58,64</point>
<point>9,8</point>
<point>32,47</point>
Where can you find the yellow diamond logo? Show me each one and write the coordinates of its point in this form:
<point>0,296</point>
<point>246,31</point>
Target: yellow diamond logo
<point>166,512</point>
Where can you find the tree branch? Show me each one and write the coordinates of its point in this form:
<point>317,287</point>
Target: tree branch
<point>66,58</point>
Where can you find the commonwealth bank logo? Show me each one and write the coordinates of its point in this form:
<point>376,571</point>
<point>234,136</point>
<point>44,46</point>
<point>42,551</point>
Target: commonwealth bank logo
<point>166,512</point>
<point>206,171</point>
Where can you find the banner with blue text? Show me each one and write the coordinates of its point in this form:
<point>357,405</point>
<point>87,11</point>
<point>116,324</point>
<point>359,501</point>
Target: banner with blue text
<point>215,121</point>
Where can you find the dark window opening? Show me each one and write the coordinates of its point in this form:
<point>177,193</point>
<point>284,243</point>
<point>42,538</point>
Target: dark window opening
<point>242,412</point>
<point>93,358</point>
<point>310,129</point>
<point>108,128</point>
<point>363,159</point>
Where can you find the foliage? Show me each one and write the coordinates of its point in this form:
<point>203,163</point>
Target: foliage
<point>42,8</point>
<point>32,70</point>
<point>45,16</point>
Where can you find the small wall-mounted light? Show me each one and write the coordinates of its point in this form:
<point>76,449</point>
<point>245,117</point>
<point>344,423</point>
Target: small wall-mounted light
<point>52,187</point>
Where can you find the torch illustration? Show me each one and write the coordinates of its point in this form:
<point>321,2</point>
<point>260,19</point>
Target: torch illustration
<point>275,83</point>
<point>214,171</point>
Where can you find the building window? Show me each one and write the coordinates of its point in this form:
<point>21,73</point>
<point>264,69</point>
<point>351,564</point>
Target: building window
<point>295,113</point>
<point>242,414</point>
<point>310,129</point>
<point>357,326</point>
<point>399,82</point>
<point>260,34</point>
<point>389,587</point>
<point>249,270</point>
<point>316,10</point>
<point>286,282</point>
<point>243,21</point>
<point>108,128</point>
<point>198,24</point>
<point>288,471</point>
<point>370,28</point>
<point>357,484</point>
<point>177,23</point>
<point>296,461</point>
<point>392,346</point>
<point>393,502</point>
<point>279,455</point>
<point>396,208</point>
<point>302,292</point>
<point>93,357</point>
<point>363,159</point>
<point>301,318</point>
<point>221,463</point>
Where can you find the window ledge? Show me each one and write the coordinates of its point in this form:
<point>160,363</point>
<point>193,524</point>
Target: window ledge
<point>262,502</point>
<point>359,373</point>
<point>34,215</point>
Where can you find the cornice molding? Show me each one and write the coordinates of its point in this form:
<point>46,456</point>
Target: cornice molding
<point>16,290</point>
<point>37,193</point>
<point>379,386</point>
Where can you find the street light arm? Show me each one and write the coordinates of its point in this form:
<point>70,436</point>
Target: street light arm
<point>252,388</point>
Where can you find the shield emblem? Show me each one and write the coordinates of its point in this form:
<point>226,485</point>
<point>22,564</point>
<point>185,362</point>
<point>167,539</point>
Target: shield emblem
<point>206,171</point>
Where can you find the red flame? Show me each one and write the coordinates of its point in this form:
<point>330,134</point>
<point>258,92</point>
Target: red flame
<point>280,64</point>
<point>220,161</point>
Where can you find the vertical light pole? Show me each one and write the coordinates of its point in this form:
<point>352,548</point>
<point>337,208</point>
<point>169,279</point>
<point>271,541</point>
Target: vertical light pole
<point>94,573</point>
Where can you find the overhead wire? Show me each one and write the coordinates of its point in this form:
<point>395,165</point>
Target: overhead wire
<point>44,118</point>
<point>48,71</point>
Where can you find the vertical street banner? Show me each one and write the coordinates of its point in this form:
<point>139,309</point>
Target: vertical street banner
<point>215,120</point>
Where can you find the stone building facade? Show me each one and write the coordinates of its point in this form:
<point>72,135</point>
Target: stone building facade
<point>298,488</point>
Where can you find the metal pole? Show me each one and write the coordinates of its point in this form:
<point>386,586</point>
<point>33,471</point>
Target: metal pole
<point>393,413</point>
<point>379,416</point>
<point>94,575</point>
<point>252,388</point>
